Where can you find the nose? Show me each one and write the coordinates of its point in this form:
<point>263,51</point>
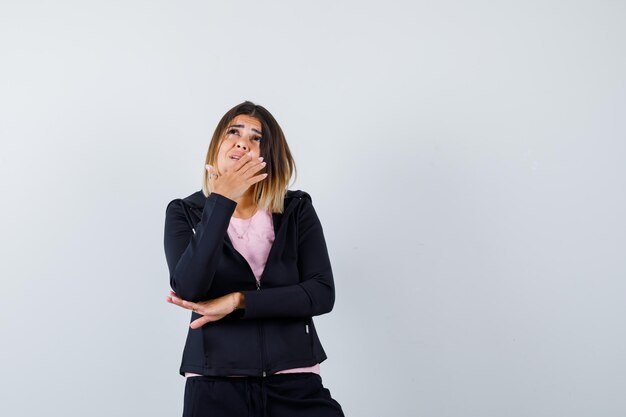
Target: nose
<point>241,145</point>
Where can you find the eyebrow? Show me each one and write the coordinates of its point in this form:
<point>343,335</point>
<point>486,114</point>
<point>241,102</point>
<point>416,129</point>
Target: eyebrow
<point>253,129</point>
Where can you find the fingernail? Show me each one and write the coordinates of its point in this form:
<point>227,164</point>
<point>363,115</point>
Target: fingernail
<point>260,158</point>
<point>249,153</point>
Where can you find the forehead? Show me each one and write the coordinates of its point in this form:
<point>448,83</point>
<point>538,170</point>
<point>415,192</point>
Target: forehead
<point>247,121</point>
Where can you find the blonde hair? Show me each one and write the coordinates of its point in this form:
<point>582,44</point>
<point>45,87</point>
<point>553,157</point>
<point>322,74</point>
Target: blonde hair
<point>268,193</point>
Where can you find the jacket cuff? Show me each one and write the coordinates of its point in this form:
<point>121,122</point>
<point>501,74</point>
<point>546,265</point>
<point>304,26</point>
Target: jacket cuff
<point>215,198</point>
<point>287,301</point>
<point>252,303</point>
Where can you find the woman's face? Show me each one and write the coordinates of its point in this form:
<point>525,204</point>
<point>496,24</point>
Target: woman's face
<point>243,135</point>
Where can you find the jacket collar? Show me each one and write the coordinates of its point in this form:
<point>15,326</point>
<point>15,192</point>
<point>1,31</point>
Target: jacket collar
<point>197,200</point>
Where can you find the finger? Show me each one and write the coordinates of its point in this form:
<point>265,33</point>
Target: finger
<point>209,318</point>
<point>257,178</point>
<point>189,305</point>
<point>211,170</point>
<point>199,322</point>
<point>176,301</point>
<point>253,167</point>
<point>242,161</point>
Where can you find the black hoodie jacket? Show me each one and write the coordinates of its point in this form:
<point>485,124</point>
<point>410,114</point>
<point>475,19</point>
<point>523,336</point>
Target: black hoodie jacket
<point>275,331</point>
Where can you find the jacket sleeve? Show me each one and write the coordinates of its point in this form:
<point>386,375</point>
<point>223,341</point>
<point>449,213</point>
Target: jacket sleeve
<point>315,294</point>
<point>192,258</point>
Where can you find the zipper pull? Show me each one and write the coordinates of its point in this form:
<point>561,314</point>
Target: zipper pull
<point>264,374</point>
<point>258,285</point>
<point>306,328</point>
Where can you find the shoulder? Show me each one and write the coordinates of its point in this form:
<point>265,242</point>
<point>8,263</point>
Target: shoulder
<point>176,207</point>
<point>302,205</point>
<point>299,194</point>
<point>297,201</point>
<point>195,199</point>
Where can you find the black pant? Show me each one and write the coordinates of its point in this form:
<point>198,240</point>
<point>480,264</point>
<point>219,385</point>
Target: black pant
<point>278,395</point>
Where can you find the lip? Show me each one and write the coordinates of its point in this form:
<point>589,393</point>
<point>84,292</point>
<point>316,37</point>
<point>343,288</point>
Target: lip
<point>239,154</point>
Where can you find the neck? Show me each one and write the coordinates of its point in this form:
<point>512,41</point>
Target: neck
<point>245,206</point>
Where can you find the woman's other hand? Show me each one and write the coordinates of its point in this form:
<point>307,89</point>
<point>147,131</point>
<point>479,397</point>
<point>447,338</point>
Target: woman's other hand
<point>211,310</point>
<point>234,182</point>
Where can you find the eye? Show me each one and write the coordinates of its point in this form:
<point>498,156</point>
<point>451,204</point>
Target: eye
<point>232,131</point>
<point>258,138</point>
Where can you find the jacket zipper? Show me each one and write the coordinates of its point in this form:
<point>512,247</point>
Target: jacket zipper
<point>259,325</point>
<point>258,288</point>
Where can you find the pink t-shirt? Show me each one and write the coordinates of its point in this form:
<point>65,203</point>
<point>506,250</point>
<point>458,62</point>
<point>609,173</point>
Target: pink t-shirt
<point>258,236</point>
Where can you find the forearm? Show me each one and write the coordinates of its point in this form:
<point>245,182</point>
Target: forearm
<point>310,298</point>
<point>315,293</point>
<point>193,257</point>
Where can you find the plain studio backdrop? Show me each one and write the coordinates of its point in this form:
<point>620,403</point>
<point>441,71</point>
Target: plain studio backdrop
<point>467,160</point>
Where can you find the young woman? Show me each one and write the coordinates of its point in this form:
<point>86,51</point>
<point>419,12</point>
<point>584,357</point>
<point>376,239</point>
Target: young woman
<point>249,259</point>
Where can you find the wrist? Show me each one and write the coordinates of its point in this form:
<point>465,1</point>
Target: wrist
<point>238,301</point>
<point>223,194</point>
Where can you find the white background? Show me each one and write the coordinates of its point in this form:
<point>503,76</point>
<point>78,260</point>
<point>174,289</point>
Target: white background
<point>467,160</point>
